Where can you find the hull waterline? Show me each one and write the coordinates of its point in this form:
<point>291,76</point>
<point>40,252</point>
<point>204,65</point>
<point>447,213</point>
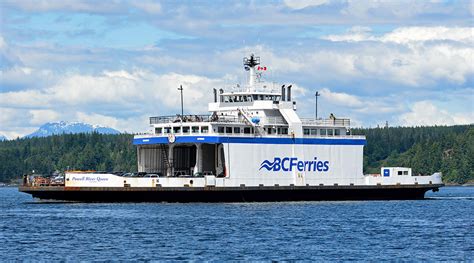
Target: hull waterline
<point>231,194</point>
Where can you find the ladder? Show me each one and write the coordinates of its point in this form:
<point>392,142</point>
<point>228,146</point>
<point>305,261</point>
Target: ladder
<point>164,153</point>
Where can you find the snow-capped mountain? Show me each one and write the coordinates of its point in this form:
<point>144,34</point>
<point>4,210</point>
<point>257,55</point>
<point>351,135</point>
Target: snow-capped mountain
<point>61,127</point>
<point>3,138</point>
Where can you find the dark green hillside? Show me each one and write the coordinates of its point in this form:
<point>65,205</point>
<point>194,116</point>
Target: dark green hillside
<point>77,151</point>
<point>449,149</point>
<point>425,149</point>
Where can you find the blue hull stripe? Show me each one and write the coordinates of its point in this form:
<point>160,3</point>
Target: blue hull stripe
<point>254,140</point>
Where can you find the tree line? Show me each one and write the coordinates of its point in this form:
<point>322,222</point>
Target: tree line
<point>446,149</point>
<point>449,149</point>
<point>84,151</point>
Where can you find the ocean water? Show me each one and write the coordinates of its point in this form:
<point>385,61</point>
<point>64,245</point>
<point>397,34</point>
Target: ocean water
<point>439,228</point>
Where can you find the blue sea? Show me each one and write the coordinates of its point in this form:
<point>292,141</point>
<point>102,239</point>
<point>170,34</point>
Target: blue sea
<point>439,228</point>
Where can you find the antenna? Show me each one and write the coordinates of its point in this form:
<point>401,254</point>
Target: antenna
<point>182,110</point>
<point>249,65</point>
<point>316,95</point>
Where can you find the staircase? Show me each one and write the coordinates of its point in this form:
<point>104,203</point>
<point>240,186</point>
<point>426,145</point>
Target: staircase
<point>257,128</point>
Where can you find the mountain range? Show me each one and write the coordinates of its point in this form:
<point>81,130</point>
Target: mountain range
<point>52,128</point>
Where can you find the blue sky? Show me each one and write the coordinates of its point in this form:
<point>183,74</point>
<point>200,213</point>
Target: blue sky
<point>117,62</point>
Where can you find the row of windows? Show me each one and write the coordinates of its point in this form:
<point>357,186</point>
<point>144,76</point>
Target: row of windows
<point>249,130</point>
<point>322,132</point>
<point>249,98</point>
<point>234,130</point>
<point>186,129</point>
<point>244,130</point>
<point>279,130</point>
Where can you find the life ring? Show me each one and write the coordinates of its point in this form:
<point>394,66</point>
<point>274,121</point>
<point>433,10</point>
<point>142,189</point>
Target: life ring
<point>171,138</point>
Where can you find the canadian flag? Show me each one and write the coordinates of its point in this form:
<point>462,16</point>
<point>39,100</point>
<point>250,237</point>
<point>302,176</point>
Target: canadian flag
<point>261,68</point>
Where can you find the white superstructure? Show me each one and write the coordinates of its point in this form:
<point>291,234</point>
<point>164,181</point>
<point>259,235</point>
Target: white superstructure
<point>253,136</point>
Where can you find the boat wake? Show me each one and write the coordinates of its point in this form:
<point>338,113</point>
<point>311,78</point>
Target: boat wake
<point>451,198</point>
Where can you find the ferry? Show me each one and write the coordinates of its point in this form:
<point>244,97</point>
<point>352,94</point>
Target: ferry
<point>251,147</point>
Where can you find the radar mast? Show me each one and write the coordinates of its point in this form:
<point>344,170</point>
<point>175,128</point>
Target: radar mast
<point>249,65</point>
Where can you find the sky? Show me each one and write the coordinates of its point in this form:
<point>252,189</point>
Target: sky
<point>115,63</point>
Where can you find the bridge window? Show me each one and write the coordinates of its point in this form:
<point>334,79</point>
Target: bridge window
<point>204,129</point>
<point>271,130</point>
<point>186,129</point>
<point>167,129</point>
<point>314,131</point>
<point>195,129</point>
<point>284,130</point>
<point>247,130</point>
<point>228,130</point>
<point>237,130</point>
<point>220,129</point>
<point>322,132</point>
<point>158,130</point>
<point>337,132</point>
<point>306,132</point>
<point>330,132</point>
<point>176,129</point>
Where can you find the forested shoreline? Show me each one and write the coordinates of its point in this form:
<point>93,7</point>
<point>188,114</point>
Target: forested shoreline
<point>449,149</point>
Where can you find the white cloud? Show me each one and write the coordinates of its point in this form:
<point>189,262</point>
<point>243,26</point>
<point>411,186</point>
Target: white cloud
<point>97,119</point>
<point>354,34</point>
<point>391,10</point>
<point>25,99</point>
<point>14,122</point>
<point>69,5</point>
<point>407,35</point>
<point>148,6</point>
<point>6,115</point>
<point>40,117</point>
<point>300,4</point>
<point>87,89</point>
<point>405,55</point>
<point>118,89</point>
<point>425,113</point>
<point>113,98</point>
<point>3,44</point>
<point>340,98</point>
<point>20,77</point>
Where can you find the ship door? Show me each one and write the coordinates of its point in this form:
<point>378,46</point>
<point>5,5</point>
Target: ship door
<point>184,160</point>
<point>209,159</point>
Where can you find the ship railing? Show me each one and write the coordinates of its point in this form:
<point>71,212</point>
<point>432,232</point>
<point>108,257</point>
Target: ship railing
<point>273,120</point>
<point>179,118</point>
<point>326,122</point>
<point>271,87</point>
<point>195,118</point>
<point>151,135</point>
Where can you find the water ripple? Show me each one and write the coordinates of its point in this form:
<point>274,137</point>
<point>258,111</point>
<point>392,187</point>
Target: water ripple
<point>440,228</point>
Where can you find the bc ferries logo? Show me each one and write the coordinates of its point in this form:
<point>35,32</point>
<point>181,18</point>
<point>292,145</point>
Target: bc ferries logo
<point>288,164</point>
